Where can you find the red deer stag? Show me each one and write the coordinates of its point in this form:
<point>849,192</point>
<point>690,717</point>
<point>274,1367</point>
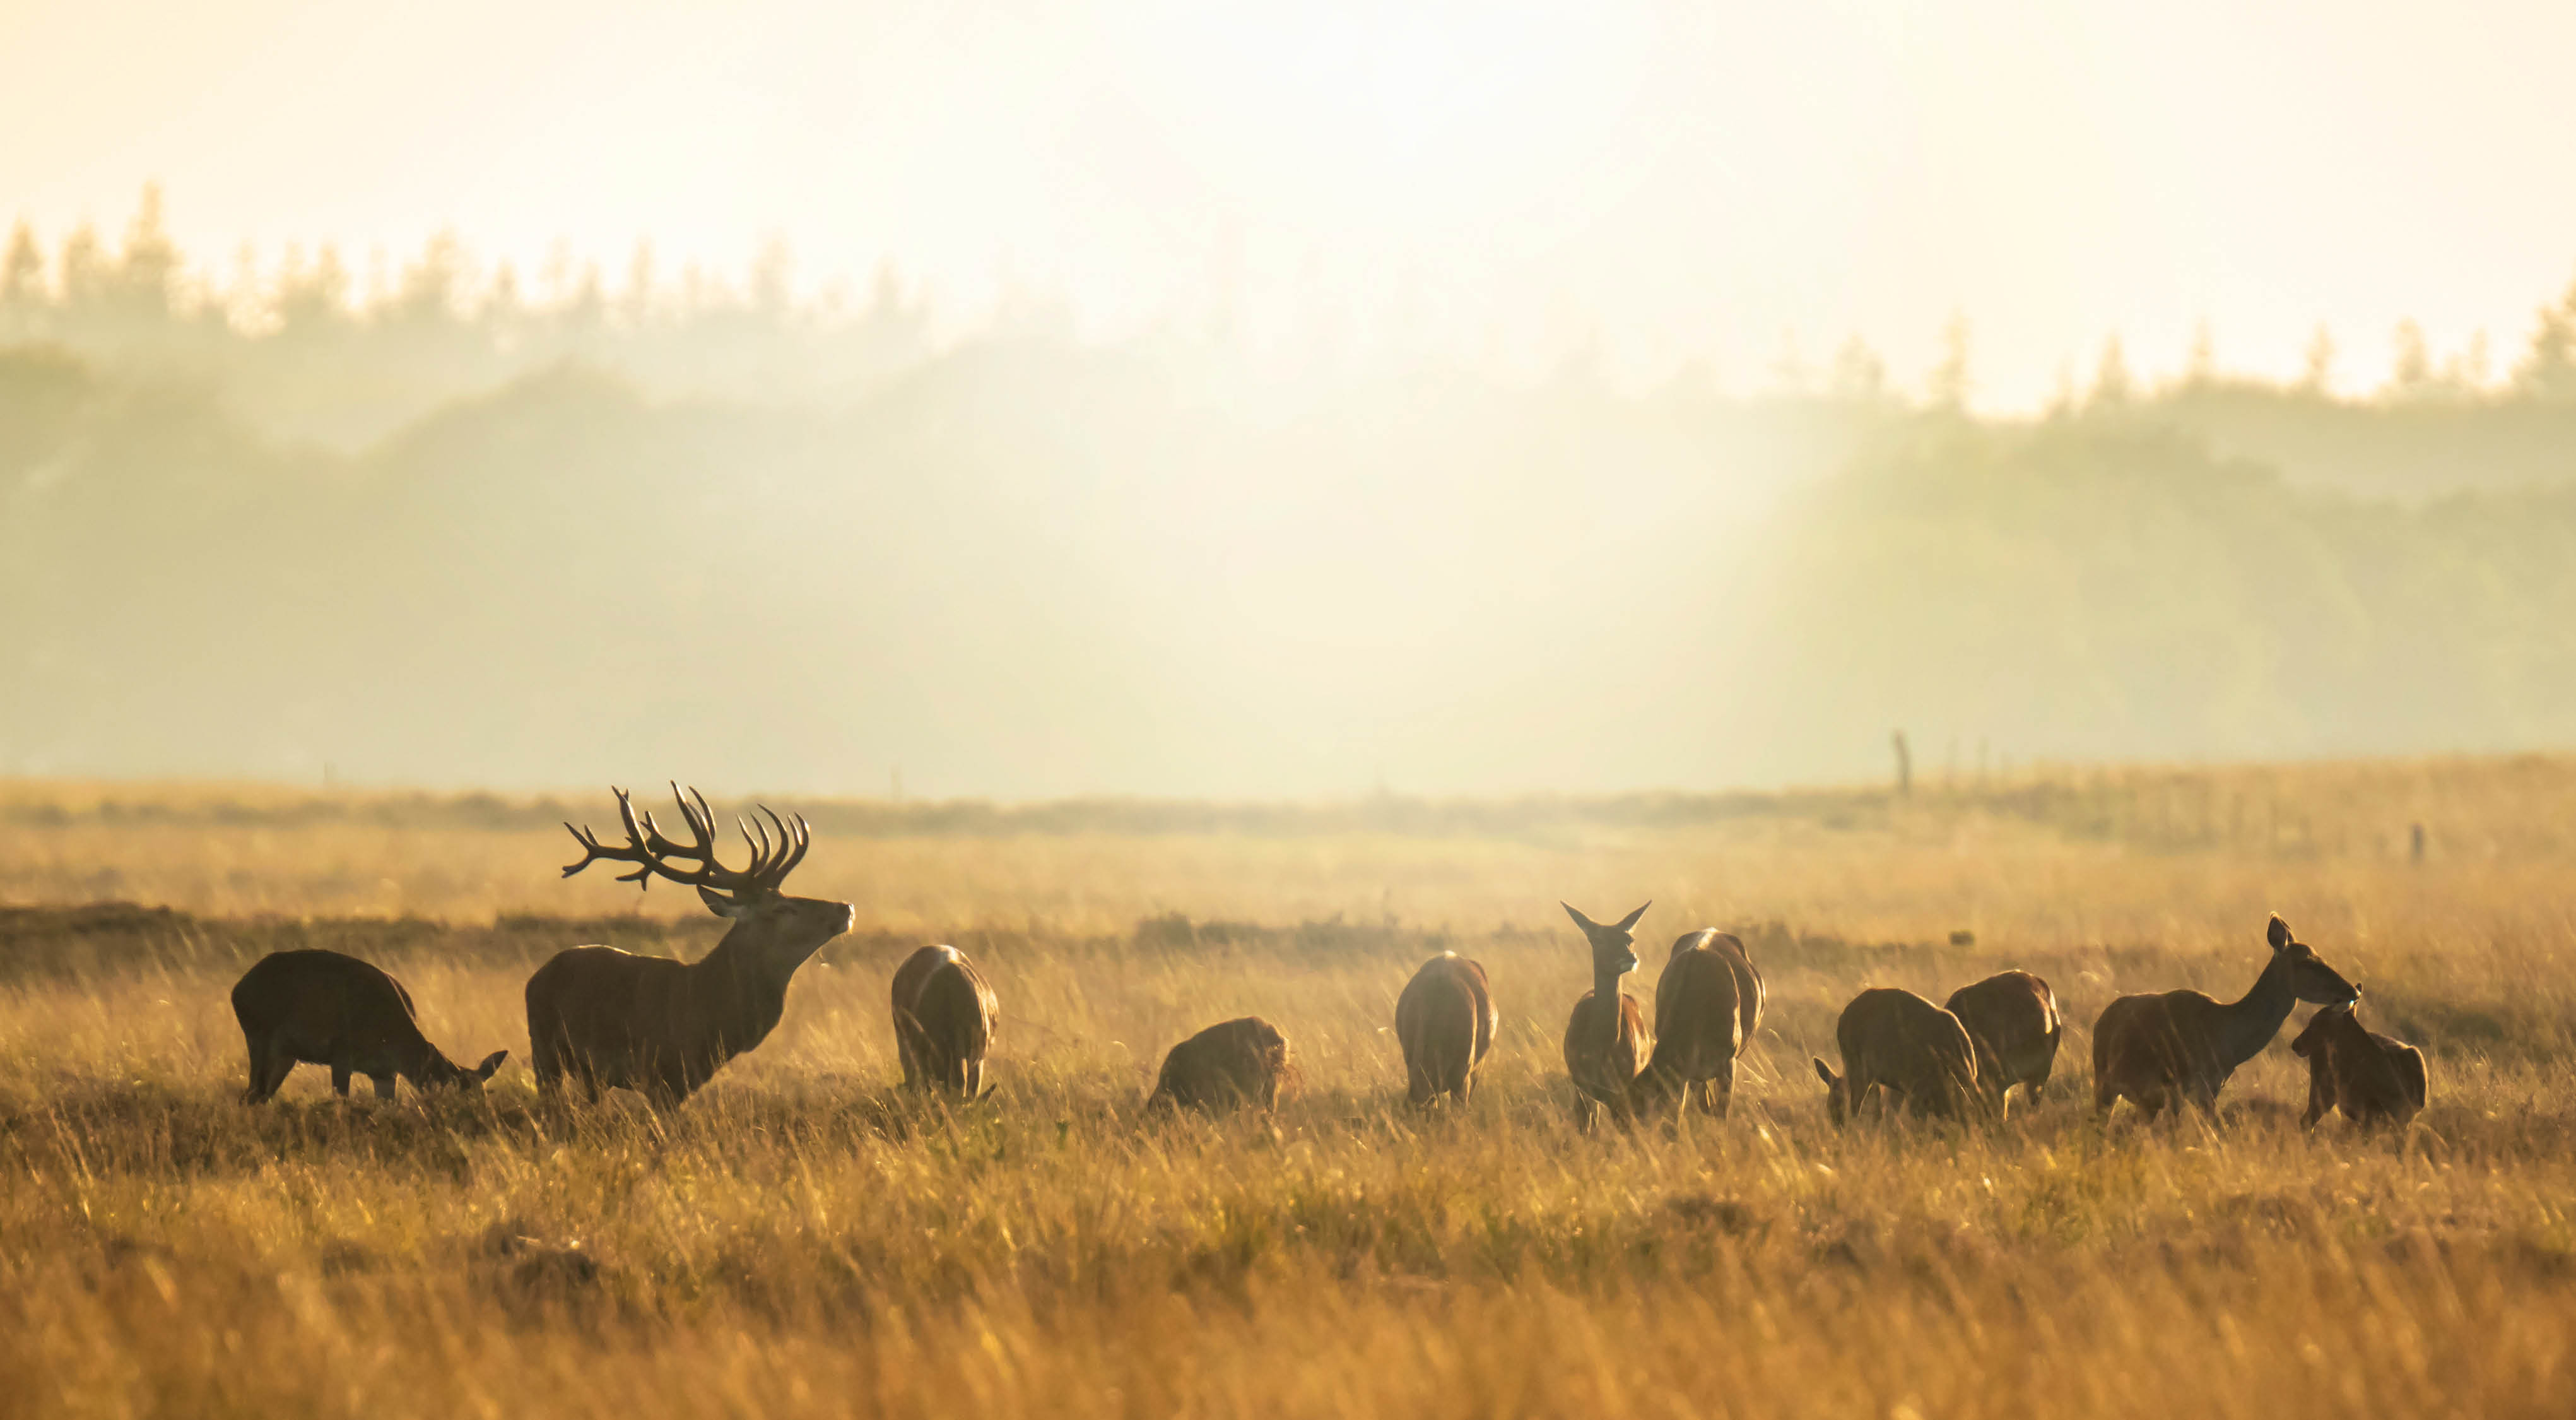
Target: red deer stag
<point>2012,1021</point>
<point>323,1008</point>
<point>1706,1005</point>
<point>1445,1021</point>
<point>1227,1066</point>
<point>2179,1047</point>
<point>2372,1078</point>
<point>1912,1052</point>
<point>944,1015</point>
<point>1606,1041</point>
<point>610,1019</point>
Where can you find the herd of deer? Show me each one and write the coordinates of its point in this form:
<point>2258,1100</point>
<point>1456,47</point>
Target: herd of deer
<point>604,1018</point>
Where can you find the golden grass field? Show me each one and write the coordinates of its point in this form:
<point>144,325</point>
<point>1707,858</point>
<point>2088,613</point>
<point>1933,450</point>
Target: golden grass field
<point>799,1241</point>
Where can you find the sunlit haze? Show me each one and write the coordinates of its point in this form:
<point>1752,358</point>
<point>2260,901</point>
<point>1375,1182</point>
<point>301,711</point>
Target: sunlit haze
<point>1294,401</point>
<point>1505,184</point>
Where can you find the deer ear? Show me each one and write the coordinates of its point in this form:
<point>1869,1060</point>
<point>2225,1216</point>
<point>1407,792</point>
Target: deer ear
<point>2278,934</point>
<point>490,1063</point>
<point>719,904</point>
<point>1630,921</point>
<point>1826,1074</point>
<point>1586,923</point>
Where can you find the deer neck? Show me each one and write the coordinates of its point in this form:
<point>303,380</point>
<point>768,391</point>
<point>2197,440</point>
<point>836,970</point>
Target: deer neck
<point>741,997</point>
<point>2247,1024</point>
<point>425,1064</point>
<point>1605,992</point>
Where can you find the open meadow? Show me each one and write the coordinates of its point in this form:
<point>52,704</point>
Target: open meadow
<point>799,1239</point>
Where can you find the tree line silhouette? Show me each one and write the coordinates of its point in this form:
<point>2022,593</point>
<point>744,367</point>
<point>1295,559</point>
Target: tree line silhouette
<point>436,535</point>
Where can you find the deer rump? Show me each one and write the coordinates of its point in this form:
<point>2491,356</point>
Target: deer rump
<point>2013,1023</point>
<point>1445,1021</point>
<point>943,1021</point>
<point>1226,1066</point>
<point>1700,1014</point>
<point>1750,994</point>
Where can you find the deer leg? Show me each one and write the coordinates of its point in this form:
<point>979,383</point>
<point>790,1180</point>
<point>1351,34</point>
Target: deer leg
<point>261,1085</point>
<point>1418,1087</point>
<point>1587,1111</point>
<point>2318,1104</point>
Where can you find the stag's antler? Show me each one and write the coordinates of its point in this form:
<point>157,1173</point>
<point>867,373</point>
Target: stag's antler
<point>651,851</point>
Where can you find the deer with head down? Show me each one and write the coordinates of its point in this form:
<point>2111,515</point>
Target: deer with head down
<point>1445,1021</point>
<point>1606,1040</point>
<point>2180,1047</point>
<point>944,1014</point>
<point>1230,1065</point>
<point>609,1019</point>
<point>324,1008</point>
<point>2372,1078</point>
<point>2012,1021</point>
<point>1902,1049</point>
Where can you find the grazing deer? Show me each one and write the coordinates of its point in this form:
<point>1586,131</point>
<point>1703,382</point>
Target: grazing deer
<point>1445,1020</point>
<point>610,1019</point>
<point>1606,1041</point>
<point>323,1008</point>
<point>2179,1047</point>
<point>2012,1021</point>
<point>1706,1004</point>
<point>944,1015</point>
<point>1228,1065</point>
<point>1914,1053</point>
<point>2372,1078</point>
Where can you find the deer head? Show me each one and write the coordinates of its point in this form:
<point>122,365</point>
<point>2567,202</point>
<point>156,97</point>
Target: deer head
<point>1614,948</point>
<point>472,1078</point>
<point>2309,978</point>
<point>778,931</point>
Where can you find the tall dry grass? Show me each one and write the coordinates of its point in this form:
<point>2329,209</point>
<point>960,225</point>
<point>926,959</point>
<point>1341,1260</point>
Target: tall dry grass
<point>798,1240</point>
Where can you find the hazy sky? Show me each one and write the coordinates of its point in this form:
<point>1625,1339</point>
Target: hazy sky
<point>1494,180</point>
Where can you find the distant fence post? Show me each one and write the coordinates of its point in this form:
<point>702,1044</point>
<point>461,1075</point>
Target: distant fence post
<point>1904,765</point>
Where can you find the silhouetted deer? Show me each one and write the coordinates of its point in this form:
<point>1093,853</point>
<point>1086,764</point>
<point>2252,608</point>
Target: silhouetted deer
<point>1707,1003</point>
<point>1606,1041</point>
<point>610,1019</point>
<point>1227,1066</point>
<point>1445,1021</point>
<point>1914,1052</point>
<point>323,1008</point>
<point>2180,1047</point>
<point>2012,1021</point>
<point>944,1015</point>
<point>2372,1078</point>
